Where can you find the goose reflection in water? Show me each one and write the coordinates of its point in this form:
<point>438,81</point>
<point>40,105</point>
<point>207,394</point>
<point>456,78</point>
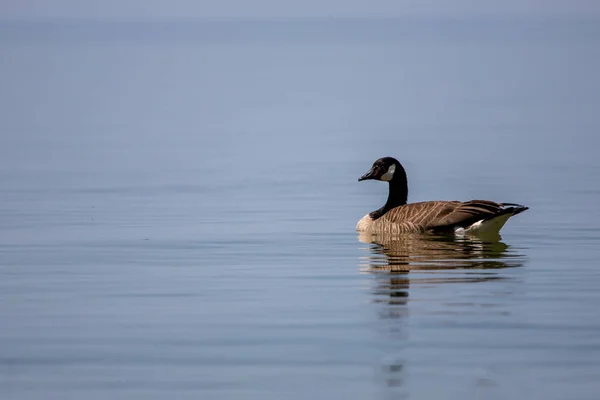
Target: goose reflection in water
<point>419,260</point>
<point>409,259</point>
<point>421,252</point>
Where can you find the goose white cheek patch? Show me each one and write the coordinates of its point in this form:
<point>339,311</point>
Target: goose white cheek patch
<point>389,174</point>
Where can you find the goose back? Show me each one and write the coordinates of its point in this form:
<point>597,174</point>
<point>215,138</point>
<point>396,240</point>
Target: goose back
<point>434,216</point>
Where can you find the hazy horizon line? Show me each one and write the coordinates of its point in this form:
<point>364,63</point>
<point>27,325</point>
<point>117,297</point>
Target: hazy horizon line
<point>332,18</point>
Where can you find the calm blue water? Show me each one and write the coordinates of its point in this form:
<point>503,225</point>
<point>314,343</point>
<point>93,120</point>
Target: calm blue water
<point>178,204</point>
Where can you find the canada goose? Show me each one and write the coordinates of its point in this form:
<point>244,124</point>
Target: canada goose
<point>429,216</point>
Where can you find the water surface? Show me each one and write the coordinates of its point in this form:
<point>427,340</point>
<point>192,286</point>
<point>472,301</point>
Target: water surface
<point>178,208</point>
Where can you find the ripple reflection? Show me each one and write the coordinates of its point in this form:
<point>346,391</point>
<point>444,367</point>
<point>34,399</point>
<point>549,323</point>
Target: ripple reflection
<point>426,260</point>
<point>412,252</point>
<point>408,263</point>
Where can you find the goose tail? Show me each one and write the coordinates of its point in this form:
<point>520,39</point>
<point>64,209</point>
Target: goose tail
<point>497,221</point>
<point>512,208</point>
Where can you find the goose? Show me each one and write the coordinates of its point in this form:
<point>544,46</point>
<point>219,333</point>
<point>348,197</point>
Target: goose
<point>397,217</point>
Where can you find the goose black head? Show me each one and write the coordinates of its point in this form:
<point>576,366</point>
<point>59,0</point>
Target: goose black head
<point>383,170</point>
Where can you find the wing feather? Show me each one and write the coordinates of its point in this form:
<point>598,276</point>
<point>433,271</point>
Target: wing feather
<point>439,215</point>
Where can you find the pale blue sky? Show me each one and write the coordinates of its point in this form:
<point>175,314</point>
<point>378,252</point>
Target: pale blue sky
<point>142,9</point>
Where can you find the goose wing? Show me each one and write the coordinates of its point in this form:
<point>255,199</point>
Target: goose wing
<point>442,215</point>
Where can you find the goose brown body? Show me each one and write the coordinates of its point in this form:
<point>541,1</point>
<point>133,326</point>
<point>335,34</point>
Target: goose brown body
<point>397,217</point>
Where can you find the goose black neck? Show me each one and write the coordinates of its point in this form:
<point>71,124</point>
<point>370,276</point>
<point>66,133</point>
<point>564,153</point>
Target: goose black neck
<point>398,193</point>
